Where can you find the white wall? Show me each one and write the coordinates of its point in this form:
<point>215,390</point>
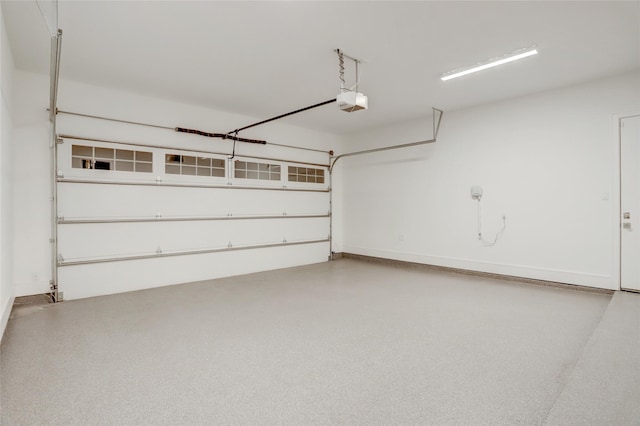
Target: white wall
<point>7,284</point>
<point>545,161</point>
<point>32,250</point>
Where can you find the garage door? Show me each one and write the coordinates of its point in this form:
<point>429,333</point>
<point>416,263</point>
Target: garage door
<point>135,216</point>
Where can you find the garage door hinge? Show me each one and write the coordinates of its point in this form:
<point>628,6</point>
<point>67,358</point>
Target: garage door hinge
<point>60,258</point>
<point>60,141</point>
<point>52,240</point>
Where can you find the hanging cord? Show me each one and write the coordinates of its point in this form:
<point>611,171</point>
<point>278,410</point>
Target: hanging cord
<point>341,69</point>
<point>233,153</point>
<point>357,77</point>
<point>498,235</point>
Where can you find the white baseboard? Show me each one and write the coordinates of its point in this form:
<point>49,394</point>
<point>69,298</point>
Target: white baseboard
<point>4,319</point>
<point>536,273</point>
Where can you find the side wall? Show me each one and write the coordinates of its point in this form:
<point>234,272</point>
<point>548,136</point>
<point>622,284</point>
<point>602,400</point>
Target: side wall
<point>7,284</point>
<point>544,161</point>
<point>32,250</point>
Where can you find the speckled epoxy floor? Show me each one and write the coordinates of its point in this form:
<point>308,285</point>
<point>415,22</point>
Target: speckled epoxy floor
<point>346,342</point>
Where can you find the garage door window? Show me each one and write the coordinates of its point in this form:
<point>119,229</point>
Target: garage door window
<point>305,174</point>
<point>123,160</point>
<point>175,164</point>
<point>252,170</point>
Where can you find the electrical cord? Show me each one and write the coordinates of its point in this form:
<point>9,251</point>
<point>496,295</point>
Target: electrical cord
<point>498,235</point>
<point>341,70</point>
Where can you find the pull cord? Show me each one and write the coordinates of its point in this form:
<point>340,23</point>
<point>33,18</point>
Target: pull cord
<point>233,154</point>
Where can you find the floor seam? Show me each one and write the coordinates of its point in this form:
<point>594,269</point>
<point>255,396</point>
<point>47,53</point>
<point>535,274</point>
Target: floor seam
<point>575,364</point>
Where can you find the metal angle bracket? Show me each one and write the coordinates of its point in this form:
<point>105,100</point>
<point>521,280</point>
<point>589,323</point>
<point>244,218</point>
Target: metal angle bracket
<point>436,125</point>
<point>437,119</point>
<point>55,295</point>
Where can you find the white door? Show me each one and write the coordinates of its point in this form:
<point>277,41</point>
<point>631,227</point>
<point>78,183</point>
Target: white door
<point>630,203</point>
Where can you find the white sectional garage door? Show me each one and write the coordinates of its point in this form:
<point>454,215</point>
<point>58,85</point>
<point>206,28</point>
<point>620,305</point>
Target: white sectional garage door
<point>139,216</point>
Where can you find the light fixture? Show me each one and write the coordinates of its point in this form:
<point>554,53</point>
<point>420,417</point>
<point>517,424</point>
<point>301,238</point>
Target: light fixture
<point>494,62</point>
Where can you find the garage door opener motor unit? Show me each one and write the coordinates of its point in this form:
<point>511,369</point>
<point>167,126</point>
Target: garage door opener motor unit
<point>349,99</point>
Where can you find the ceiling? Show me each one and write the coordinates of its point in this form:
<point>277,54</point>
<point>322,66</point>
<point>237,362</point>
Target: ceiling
<point>266,58</point>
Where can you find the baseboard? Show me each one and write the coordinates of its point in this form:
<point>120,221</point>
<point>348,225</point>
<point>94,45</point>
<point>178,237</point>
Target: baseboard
<point>496,270</point>
<point>6,312</point>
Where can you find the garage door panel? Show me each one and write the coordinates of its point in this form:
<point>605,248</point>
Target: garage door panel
<point>116,277</point>
<point>114,201</point>
<point>82,241</point>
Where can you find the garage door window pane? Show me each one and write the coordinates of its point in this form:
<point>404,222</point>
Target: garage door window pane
<point>124,166</point>
<point>171,169</point>
<point>123,154</point>
<point>194,166</point>
<point>144,167</point>
<point>82,151</point>
<point>106,153</point>
<point>305,174</point>
<point>144,156</point>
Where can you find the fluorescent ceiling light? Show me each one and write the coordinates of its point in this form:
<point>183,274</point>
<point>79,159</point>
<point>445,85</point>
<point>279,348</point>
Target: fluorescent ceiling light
<point>510,58</point>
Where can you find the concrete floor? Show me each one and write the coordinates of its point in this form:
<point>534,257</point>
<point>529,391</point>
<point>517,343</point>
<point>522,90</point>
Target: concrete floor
<point>346,342</point>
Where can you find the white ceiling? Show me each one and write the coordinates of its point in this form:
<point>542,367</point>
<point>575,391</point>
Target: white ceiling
<point>266,58</point>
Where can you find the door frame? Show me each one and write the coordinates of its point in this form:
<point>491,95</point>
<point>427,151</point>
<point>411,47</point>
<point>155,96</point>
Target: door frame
<point>616,198</point>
